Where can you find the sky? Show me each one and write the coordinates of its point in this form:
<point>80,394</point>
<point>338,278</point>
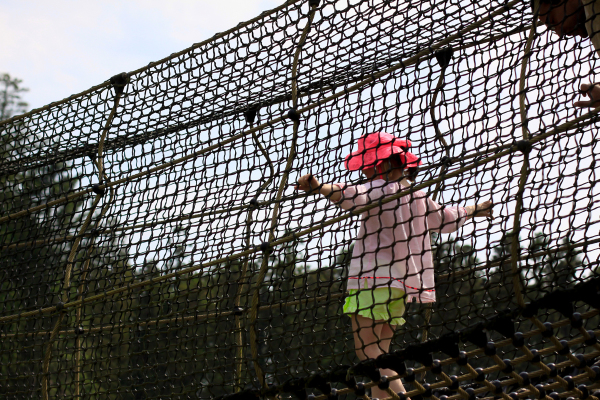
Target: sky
<point>62,47</point>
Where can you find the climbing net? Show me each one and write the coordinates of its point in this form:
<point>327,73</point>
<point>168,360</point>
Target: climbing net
<point>151,245</point>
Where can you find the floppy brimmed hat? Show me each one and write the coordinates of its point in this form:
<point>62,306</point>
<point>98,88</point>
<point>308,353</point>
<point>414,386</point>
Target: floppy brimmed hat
<point>375,148</point>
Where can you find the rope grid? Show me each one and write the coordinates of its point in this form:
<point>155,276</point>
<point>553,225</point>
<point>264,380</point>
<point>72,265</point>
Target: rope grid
<point>152,245</point>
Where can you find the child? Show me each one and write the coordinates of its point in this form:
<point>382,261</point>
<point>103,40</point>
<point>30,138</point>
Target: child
<point>392,258</point>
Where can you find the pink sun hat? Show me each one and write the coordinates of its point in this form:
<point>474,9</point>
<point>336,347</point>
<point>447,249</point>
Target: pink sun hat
<point>376,147</point>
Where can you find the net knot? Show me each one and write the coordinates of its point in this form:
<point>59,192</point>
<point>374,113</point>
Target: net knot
<point>119,82</point>
<point>360,390</point>
<point>518,339</point>
<point>498,386</point>
<point>293,115</point>
<point>59,306</point>
<point>254,203</point>
<point>447,161</point>
<point>525,378</point>
<point>582,361</point>
<point>98,190</point>
<point>250,115</point>
<point>508,367</point>
<point>524,146</point>
<point>444,56</point>
<point>490,349</point>
<point>570,383</point>
<point>454,385</point>
<point>237,311</point>
<point>462,359</point>
<point>428,392</point>
<point>554,396</point>
<point>541,391</point>
<point>436,367</point>
<point>549,330</point>
<point>95,232</point>
<point>471,393</point>
<point>553,371</point>
<point>536,358</point>
<point>592,338</point>
<point>565,348</point>
<point>383,383</point>
<point>585,393</point>
<point>333,394</point>
<point>79,330</point>
<point>480,375</point>
<point>576,320</point>
<point>265,247</point>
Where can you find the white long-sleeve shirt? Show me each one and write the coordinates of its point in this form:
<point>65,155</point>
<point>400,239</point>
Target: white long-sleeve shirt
<point>393,247</point>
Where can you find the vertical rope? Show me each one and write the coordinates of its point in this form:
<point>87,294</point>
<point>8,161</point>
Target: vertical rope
<point>118,85</point>
<point>240,288</point>
<point>65,298</point>
<point>438,187</point>
<point>275,216</point>
<point>82,281</point>
<point>514,246</point>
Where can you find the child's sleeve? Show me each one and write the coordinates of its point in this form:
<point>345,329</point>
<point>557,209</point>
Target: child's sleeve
<point>444,219</point>
<point>357,195</point>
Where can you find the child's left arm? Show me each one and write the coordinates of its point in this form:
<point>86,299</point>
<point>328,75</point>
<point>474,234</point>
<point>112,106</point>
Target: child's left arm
<point>481,210</point>
<point>448,219</point>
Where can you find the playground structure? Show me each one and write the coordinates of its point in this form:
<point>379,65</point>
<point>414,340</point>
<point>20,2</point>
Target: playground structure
<point>152,247</point>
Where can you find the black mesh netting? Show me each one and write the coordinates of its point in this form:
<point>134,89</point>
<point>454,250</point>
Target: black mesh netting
<point>152,246</point>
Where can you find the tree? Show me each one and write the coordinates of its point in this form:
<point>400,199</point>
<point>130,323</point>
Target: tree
<point>11,102</point>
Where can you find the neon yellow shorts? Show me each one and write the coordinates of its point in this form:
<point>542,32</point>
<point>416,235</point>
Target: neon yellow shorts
<point>387,304</point>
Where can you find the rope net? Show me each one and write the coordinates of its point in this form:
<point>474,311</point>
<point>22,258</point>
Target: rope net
<point>152,247</point>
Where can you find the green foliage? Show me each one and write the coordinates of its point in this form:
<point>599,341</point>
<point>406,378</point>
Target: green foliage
<point>11,102</point>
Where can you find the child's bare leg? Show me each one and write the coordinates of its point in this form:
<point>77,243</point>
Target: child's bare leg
<point>386,335</point>
<point>371,339</point>
<point>366,337</point>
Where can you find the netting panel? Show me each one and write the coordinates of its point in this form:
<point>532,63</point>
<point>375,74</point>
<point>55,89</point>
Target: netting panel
<point>168,260</point>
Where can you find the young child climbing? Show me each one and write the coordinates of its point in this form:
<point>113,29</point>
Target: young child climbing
<point>392,260</point>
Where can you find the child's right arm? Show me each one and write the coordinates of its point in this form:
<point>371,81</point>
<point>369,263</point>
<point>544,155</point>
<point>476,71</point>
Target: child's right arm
<point>310,184</point>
